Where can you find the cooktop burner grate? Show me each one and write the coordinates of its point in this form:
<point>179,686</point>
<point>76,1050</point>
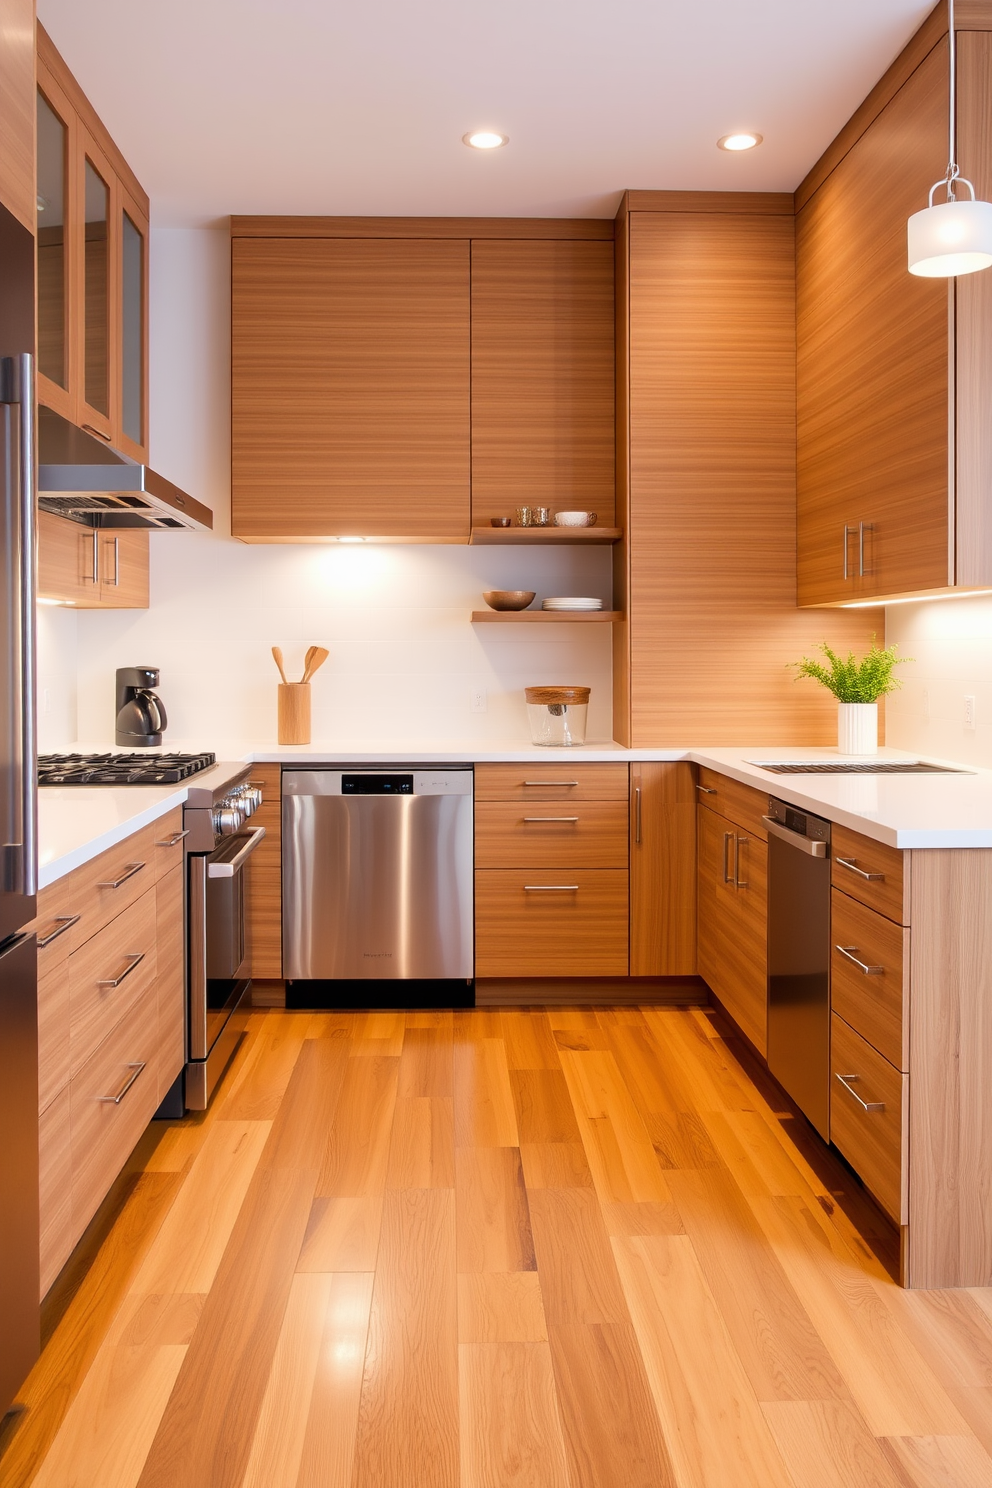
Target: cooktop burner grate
<point>120,769</point>
<point>868,767</point>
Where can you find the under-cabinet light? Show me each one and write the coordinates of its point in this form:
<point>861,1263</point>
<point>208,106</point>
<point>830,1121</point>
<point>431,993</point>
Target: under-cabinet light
<point>745,140</point>
<point>351,539</point>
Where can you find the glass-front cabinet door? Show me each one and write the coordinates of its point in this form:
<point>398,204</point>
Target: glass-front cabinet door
<point>98,250</point>
<point>133,330</point>
<point>53,207</point>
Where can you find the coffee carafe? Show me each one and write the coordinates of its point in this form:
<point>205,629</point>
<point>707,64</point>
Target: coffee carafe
<point>141,717</point>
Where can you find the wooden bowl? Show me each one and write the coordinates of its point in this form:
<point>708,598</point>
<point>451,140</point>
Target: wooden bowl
<point>509,599</point>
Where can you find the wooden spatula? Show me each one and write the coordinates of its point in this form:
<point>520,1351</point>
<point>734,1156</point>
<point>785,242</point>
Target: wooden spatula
<point>316,657</point>
<point>277,656</point>
<point>311,653</point>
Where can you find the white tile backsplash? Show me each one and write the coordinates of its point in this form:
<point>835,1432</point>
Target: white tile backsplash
<point>950,642</point>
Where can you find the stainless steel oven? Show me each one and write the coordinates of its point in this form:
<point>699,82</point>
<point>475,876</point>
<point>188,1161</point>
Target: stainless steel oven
<point>221,843</point>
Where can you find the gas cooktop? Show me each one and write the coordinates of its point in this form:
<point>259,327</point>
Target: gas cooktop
<point>120,769</point>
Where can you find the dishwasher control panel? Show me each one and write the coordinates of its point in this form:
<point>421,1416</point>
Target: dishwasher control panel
<point>800,822</point>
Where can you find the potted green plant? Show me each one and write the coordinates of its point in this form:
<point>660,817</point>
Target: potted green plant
<point>857,685</point>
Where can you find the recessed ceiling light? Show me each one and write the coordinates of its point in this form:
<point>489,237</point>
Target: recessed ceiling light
<point>746,140</point>
<point>485,139</point>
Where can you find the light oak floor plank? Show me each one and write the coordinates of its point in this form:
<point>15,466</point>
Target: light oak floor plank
<point>511,1434</point>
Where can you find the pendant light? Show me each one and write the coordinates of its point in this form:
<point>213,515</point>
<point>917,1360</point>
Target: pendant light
<point>954,237</point>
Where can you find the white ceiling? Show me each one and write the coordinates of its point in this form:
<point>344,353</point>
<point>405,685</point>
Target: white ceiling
<point>322,106</point>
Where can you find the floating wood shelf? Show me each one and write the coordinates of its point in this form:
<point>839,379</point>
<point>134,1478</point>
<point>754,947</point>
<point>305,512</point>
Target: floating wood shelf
<point>544,617</point>
<point>495,536</point>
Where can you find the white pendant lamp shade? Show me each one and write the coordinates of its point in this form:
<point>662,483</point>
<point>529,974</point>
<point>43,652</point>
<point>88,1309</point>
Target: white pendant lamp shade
<point>955,237</point>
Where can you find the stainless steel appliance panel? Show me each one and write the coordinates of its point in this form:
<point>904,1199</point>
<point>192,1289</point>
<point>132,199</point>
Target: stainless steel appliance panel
<point>19,1240</point>
<point>378,885</point>
<point>799,959</point>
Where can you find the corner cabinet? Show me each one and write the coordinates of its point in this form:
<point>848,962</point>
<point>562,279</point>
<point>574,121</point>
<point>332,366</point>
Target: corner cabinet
<point>894,371</point>
<point>92,232</point>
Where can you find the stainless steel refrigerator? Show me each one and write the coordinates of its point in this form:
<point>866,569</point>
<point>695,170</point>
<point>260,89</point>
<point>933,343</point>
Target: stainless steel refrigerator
<point>19,1267</point>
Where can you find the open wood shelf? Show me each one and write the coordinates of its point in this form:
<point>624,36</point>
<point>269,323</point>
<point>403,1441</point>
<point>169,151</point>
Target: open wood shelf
<point>538,536</point>
<point>544,617</point>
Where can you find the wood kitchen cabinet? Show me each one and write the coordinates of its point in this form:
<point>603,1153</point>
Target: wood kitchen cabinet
<point>265,877</point>
<point>894,371</point>
<point>92,568</point>
<point>662,869</point>
<point>17,122</point>
<point>92,232</point>
<point>732,919</point>
<point>111,1021</point>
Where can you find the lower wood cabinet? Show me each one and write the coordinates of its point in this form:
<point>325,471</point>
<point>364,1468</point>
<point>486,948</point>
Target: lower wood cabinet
<point>868,1116</point>
<point>265,877</point>
<point>732,920</point>
<point>92,568</point>
<point>111,1021</point>
<point>551,922</point>
<point>662,869</point>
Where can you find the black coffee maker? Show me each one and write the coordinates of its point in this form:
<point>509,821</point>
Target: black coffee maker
<point>141,718</point>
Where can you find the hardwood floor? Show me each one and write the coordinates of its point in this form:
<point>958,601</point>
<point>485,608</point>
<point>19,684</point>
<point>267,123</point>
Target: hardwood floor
<point>561,1248</point>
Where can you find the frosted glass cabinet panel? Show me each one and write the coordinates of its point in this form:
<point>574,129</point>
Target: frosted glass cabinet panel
<point>53,147</point>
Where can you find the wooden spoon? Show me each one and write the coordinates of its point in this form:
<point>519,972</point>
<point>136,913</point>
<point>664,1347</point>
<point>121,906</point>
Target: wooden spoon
<point>277,656</point>
<point>311,652</point>
<point>316,661</point>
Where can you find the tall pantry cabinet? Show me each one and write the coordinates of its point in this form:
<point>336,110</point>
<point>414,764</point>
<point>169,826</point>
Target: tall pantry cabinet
<point>706,478</point>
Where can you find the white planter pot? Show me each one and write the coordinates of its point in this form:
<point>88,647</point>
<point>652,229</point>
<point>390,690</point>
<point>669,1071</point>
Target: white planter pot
<point>857,728</point>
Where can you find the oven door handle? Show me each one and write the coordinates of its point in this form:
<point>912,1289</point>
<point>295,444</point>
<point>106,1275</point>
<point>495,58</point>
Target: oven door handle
<point>229,869</point>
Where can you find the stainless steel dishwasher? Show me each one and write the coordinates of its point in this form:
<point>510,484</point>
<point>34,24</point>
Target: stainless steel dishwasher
<point>799,958</point>
<point>377,881</point>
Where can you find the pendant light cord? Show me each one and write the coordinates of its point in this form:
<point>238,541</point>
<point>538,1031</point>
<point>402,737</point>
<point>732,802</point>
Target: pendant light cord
<point>952,131</point>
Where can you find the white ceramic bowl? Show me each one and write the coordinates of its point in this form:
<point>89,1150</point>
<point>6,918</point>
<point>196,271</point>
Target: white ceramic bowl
<point>575,519</point>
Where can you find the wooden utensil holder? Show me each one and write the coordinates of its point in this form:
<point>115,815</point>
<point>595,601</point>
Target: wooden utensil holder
<point>294,712</point>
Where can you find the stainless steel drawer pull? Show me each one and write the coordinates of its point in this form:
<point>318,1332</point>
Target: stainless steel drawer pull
<point>115,1100</point>
<point>728,837</point>
<point>846,1081</point>
<point>130,869</point>
<point>637,813</point>
<point>847,531</point>
<point>62,924</point>
<point>550,818</point>
<point>134,961</point>
<point>707,790</point>
<point>176,838</point>
<point>852,867</point>
<point>739,883</point>
<point>551,888</point>
<point>556,783</point>
<point>848,953</point>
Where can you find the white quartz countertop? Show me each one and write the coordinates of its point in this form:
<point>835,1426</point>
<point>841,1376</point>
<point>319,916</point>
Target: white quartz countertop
<point>76,823</point>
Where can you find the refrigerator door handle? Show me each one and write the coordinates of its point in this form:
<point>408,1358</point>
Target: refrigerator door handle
<point>19,829</point>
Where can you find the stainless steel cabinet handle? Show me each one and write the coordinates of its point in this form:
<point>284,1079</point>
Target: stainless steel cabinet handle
<point>846,1080</point>
<point>848,953</point>
<point>706,790</point>
<point>852,867</point>
<point>728,837</point>
<point>550,818</point>
<point>130,870</point>
<point>847,573</point>
<point>94,577</point>
<point>863,527</point>
<point>176,838</point>
<point>115,1100</point>
<point>637,813</point>
<point>134,961</point>
<point>18,586</point>
<point>551,888</point>
<point>543,783</point>
<point>62,924</point>
<point>739,883</point>
<point>115,581</point>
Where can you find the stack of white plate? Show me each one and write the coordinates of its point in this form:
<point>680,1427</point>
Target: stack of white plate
<point>572,602</point>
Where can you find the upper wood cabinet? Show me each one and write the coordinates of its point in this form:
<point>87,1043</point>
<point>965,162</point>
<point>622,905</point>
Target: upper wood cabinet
<point>542,377</point>
<point>350,408</point>
<point>92,568</point>
<point>17,145</point>
<point>92,229</point>
<point>406,378</point>
<point>894,371</point>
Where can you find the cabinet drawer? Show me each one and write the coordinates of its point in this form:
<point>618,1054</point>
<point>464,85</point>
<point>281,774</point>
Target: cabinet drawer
<point>554,781</point>
<point>540,922</point>
<point>511,834</point>
<point>111,1101</point>
<point>742,804</point>
<point>168,843</point>
<point>123,952</point>
<point>55,1188</point>
<point>871,871</point>
<point>53,1033</point>
<point>871,1001</point>
<point>871,1140</point>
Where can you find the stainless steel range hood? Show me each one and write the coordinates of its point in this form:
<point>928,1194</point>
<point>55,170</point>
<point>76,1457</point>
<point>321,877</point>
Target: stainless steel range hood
<point>87,481</point>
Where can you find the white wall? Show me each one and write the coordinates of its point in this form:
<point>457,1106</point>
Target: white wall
<point>405,660</point>
<point>950,642</point>
<point>57,662</point>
